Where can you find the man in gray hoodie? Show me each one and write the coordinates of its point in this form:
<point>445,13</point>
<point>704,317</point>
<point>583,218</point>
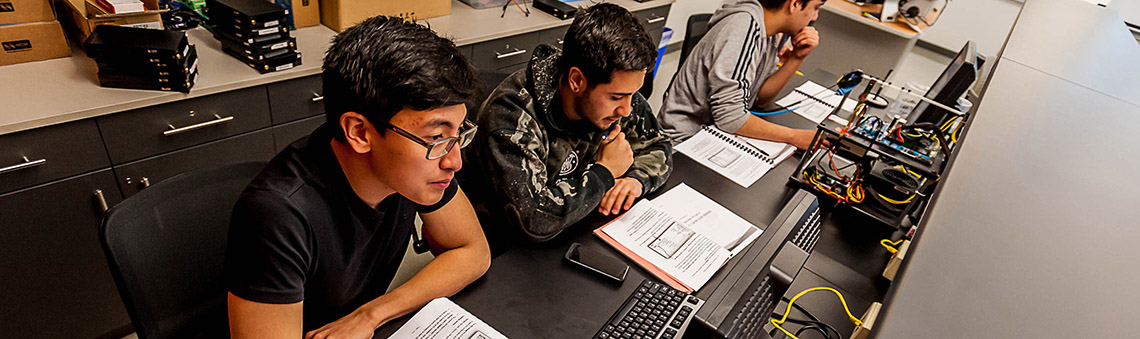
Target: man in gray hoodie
<point>736,66</point>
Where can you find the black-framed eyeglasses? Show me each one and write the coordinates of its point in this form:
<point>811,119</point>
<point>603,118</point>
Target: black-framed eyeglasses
<point>439,148</point>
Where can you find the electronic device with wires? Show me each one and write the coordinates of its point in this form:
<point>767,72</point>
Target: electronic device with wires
<point>740,298</point>
<point>654,310</point>
<point>556,8</point>
<point>885,167</point>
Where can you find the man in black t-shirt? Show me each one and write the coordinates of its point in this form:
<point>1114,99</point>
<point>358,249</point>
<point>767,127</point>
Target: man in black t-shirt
<point>317,237</point>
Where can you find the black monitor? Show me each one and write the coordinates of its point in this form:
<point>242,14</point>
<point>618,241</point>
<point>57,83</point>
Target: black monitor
<point>740,297</point>
<point>954,81</point>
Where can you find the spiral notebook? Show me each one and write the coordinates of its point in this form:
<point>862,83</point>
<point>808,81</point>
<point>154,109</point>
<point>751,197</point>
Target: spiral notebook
<point>814,102</point>
<point>742,160</point>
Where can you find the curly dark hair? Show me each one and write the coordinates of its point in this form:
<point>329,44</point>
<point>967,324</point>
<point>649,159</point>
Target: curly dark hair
<point>386,64</point>
<point>773,4</point>
<point>604,38</point>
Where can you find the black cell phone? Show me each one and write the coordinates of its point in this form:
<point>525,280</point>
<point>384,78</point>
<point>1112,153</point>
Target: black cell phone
<point>597,262</point>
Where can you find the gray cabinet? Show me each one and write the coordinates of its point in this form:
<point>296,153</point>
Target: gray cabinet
<point>56,282</point>
<point>286,134</point>
<point>296,99</point>
<point>149,131</point>
<point>45,154</point>
<point>505,52</point>
<point>136,176</point>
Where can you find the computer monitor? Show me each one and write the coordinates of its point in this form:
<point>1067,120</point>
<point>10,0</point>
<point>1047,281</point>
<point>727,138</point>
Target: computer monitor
<point>740,297</point>
<point>958,76</point>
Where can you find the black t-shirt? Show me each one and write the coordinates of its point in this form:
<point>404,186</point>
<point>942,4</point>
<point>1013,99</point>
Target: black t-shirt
<point>300,233</point>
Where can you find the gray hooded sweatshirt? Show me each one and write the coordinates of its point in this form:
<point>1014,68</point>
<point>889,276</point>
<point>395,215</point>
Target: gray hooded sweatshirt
<point>722,76</point>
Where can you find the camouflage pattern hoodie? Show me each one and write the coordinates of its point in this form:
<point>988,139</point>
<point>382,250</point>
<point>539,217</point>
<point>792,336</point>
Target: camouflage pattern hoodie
<point>540,164</point>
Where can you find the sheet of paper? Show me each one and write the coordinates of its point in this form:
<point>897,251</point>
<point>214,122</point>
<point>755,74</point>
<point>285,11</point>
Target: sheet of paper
<point>724,158</point>
<point>443,319</point>
<point>708,217</point>
<point>777,151</point>
<point>668,244</point>
<point>814,110</point>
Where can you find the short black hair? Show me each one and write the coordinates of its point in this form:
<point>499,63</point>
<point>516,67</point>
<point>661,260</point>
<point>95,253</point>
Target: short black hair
<point>604,38</point>
<point>386,64</point>
<point>775,4</point>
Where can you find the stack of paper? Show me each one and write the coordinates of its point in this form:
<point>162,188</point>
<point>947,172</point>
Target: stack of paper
<point>443,319</point>
<point>682,237</point>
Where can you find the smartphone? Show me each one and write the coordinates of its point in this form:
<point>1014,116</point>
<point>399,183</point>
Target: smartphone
<point>597,262</point>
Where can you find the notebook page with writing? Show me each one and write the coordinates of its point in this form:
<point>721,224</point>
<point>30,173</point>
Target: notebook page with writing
<point>727,155</point>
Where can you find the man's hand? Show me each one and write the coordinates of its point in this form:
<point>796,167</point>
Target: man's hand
<point>621,196</point>
<point>355,325</point>
<point>615,153</point>
<point>802,44</point>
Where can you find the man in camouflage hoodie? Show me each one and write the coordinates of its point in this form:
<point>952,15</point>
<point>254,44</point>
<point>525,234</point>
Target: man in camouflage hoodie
<point>569,134</point>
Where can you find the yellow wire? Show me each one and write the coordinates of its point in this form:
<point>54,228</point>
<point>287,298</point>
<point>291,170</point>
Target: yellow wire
<point>777,323</point>
<point>897,202</point>
<point>889,248</point>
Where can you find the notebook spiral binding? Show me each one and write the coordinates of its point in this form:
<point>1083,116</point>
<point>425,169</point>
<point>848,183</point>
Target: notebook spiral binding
<point>738,144</point>
<point>810,97</point>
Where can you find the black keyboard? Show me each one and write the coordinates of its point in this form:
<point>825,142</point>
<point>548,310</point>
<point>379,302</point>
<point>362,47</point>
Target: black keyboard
<point>653,311</point>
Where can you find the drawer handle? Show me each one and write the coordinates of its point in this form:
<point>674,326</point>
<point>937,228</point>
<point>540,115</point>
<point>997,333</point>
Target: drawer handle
<point>176,130</point>
<point>102,201</point>
<point>511,54</point>
<point>26,164</point>
<point>318,97</point>
<point>654,20</point>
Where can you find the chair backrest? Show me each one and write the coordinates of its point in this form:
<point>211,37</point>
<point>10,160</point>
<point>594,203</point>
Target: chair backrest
<point>695,29</point>
<point>166,246</point>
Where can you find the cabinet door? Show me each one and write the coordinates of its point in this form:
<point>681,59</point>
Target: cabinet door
<point>55,279</point>
<point>135,176</point>
<point>286,134</point>
<point>296,99</point>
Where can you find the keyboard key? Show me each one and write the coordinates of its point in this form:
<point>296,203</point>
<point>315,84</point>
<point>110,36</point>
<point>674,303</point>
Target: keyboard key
<point>676,323</point>
<point>670,331</point>
<point>693,300</point>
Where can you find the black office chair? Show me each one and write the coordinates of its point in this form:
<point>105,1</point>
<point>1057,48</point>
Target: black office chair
<point>695,29</point>
<point>166,246</point>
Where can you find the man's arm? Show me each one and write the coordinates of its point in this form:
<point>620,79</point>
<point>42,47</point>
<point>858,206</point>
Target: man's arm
<point>251,319</point>
<point>462,255</point>
<point>777,81</point>
<point>800,47</point>
<point>513,161</point>
<point>652,159</point>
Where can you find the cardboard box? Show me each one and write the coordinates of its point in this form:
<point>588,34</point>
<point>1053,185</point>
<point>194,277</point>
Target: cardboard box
<point>341,14</point>
<point>82,17</point>
<point>306,13</point>
<point>32,42</point>
<point>23,11</point>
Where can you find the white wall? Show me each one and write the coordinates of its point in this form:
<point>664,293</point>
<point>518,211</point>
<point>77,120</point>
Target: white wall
<point>986,22</point>
<point>682,9</point>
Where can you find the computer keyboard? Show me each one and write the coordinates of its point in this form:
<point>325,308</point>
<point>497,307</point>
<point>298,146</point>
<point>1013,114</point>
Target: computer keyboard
<point>653,311</point>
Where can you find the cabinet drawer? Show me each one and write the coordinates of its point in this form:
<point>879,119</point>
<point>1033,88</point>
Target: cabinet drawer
<point>149,131</point>
<point>44,154</point>
<point>553,36</point>
<point>135,176</point>
<point>296,99</point>
<point>53,265</point>
<point>653,18</point>
<point>655,35</point>
<point>286,134</point>
<point>504,52</point>
<point>465,51</point>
